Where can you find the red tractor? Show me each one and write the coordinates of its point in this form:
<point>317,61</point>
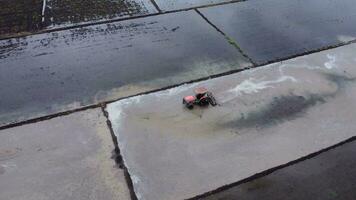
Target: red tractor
<point>202,98</point>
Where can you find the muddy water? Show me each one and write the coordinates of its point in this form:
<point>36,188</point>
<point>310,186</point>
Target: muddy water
<point>250,104</point>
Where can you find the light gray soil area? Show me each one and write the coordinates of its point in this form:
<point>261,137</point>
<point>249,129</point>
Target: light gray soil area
<point>266,117</point>
<point>63,158</point>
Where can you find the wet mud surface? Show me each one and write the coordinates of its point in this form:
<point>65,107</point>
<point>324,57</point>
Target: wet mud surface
<point>289,107</point>
<point>331,175</point>
<point>275,29</point>
<point>2,170</point>
<point>167,5</point>
<point>48,73</point>
<point>266,117</point>
<point>282,108</point>
<point>30,16</point>
<point>6,154</point>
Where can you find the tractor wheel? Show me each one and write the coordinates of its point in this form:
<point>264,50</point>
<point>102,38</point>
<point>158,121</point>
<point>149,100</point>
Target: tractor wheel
<point>212,99</point>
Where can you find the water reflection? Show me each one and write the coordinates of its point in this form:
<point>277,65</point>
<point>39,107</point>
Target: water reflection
<point>15,47</point>
<point>277,29</point>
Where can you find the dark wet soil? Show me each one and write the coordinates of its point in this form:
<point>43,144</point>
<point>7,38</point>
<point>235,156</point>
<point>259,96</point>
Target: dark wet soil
<point>281,109</point>
<point>75,11</point>
<point>17,16</point>
<point>20,16</point>
<point>167,5</point>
